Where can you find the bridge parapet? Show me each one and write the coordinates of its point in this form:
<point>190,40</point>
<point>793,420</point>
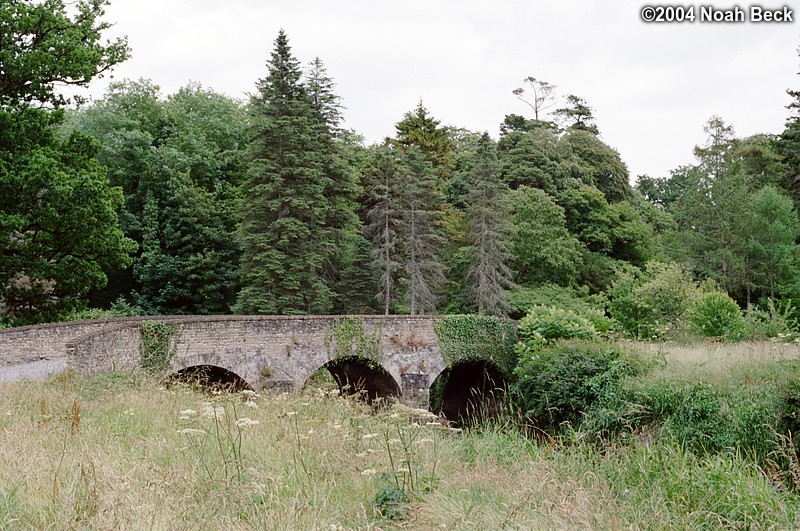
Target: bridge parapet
<point>267,352</point>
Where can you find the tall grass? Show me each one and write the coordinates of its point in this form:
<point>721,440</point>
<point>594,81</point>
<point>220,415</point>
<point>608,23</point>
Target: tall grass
<point>122,451</point>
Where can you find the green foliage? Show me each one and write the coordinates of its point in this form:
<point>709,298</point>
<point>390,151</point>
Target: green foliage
<point>651,303</point>
<point>777,322</point>
<point>577,116</point>
<point>559,383</point>
<point>420,130</point>
<point>489,234</point>
<point>120,308</point>
<point>543,249</point>
<point>601,164</point>
<point>158,344</point>
<point>533,158</point>
<point>715,314</point>
<point>772,228</point>
<point>421,232</point>
<point>178,161</point>
<point>707,418</point>
<point>391,501</point>
<point>589,306</point>
<point>477,337</point>
<point>544,325</point>
<point>348,337</point>
<point>407,480</point>
<point>297,198</point>
<point>58,218</point>
<point>698,491</point>
<point>47,44</point>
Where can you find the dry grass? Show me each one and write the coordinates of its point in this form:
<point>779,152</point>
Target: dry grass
<point>716,362</point>
<point>113,452</point>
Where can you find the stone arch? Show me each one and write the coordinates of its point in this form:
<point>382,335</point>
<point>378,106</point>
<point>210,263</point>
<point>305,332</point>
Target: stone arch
<point>210,376</point>
<point>215,368</point>
<point>467,390</point>
<point>359,375</point>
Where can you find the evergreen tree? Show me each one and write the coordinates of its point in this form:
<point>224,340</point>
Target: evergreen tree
<point>292,197</point>
<point>421,231</point>
<point>577,115</point>
<point>383,219</point>
<point>489,235</point>
<point>419,129</point>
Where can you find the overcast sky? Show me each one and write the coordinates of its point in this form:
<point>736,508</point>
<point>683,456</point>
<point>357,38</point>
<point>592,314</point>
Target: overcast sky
<point>652,86</point>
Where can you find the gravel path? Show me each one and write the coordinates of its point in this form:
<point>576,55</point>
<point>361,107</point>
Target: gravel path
<point>36,370</point>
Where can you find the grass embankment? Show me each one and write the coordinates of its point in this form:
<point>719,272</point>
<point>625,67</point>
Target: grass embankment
<point>123,452</point>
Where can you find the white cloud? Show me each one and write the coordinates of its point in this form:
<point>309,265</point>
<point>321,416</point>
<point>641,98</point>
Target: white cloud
<point>652,86</point>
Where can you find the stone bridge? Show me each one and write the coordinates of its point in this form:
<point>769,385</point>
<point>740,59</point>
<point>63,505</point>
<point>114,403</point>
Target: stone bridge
<point>384,355</point>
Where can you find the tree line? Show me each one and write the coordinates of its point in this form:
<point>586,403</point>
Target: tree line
<point>197,203</point>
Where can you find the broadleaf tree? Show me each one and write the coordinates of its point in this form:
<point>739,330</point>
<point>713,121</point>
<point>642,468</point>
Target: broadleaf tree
<point>58,214</point>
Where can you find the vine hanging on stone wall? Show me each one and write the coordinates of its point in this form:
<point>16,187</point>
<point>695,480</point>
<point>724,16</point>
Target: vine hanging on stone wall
<point>477,337</point>
<point>158,344</point>
<point>349,337</point>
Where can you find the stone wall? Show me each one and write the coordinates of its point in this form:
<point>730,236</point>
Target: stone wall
<point>279,352</point>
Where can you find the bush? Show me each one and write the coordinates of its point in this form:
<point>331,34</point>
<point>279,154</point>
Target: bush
<point>715,314</point>
<point>650,303</point>
<point>544,325</point>
<point>779,324</point>
<point>558,383</point>
<point>703,418</point>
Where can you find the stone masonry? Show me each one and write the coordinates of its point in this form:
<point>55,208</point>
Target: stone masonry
<point>267,352</point>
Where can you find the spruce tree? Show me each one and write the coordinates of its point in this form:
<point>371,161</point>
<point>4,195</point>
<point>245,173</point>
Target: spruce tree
<point>422,232</point>
<point>382,178</point>
<point>292,197</point>
<point>489,234</point>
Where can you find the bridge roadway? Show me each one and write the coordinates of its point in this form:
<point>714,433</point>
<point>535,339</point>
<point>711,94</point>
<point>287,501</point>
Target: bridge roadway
<point>397,355</point>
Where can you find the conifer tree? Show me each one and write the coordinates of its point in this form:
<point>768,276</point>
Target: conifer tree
<point>421,231</point>
<point>489,235</point>
<point>292,204</point>
<point>383,217</point>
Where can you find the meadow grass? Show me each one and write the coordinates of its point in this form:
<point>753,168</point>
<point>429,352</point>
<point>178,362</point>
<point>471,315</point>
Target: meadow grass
<point>122,451</point>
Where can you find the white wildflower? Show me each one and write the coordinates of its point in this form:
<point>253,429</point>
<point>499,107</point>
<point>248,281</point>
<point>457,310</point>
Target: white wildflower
<point>291,413</point>
<point>251,404</point>
<point>337,426</point>
<point>213,412</point>
<point>188,412</point>
<point>368,436</point>
<point>246,422</point>
<point>368,472</point>
<point>248,393</point>
<point>191,431</point>
<point>423,441</point>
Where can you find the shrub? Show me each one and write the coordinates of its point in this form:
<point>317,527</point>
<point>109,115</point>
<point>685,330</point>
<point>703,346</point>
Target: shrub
<point>544,325</point>
<point>651,303</point>
<point>779,324</point>
<point>558,383</point>
<point>715,314</point>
